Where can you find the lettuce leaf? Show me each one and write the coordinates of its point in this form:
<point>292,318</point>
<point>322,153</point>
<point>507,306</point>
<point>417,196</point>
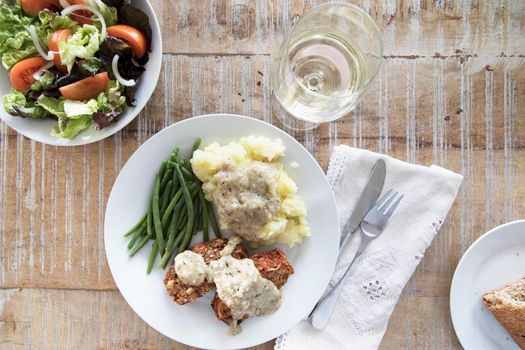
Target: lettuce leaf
<point>73,116</point>
<point>109,13</point>
<point>15,41</point>
<point>46,81</point>
<point>51,21</point>
<point>77,109</point>
<point>69,128</point>
<point>84,43</point>
<point>54,106</point>
<point>17,105</point>
<point>110,105</point>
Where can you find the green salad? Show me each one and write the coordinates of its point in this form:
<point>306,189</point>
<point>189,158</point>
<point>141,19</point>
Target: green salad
<point>77,61</point>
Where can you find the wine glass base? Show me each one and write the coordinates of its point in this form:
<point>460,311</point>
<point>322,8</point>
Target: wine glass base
<point>287,120</point>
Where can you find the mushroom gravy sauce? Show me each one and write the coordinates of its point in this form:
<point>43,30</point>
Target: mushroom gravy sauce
<point>239,284</point>
<point>244,200</point>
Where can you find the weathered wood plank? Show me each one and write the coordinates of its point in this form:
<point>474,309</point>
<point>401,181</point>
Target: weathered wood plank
<point>420,323</point>
<point>422,110</point>
<point>60,317</point>
<point>450,93</point>
<point>76,319</point>
<point>410,28</point>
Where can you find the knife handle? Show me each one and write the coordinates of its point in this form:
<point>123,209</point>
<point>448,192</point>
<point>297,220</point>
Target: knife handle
<point>347,234</point>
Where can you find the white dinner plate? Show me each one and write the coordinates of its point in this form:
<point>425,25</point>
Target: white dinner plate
<point>40,129</point>
<point>496,259</point>
<point>195,323</point>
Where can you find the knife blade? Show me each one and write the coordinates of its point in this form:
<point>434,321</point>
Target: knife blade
<point>369,196</point>
<point>366,201</point>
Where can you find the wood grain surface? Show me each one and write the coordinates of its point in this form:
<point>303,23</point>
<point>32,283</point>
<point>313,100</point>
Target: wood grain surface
<point>451,92</point>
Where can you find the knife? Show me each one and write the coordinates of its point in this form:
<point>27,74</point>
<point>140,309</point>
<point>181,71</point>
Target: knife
<point>323,309</point>
<point>368,197</point>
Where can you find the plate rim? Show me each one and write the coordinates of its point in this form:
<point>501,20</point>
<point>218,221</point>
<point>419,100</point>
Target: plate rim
<point>188,120</point>
<point>460,266</point>
<point>4,116</point>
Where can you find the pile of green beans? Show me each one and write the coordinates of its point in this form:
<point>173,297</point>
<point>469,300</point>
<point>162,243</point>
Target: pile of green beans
<point>177,211</point>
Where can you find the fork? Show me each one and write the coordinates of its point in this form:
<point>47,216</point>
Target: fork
<point>371,227</point>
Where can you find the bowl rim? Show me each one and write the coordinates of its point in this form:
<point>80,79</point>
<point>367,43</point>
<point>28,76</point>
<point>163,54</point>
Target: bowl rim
<point>152,72</point>
<point>333,257</point>
<point>453,299</point>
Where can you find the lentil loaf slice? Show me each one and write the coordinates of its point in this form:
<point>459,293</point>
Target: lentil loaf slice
<point>272,265</point>
<point>182,293</point>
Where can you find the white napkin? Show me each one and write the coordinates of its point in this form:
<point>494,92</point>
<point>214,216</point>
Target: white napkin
<point>381,272</point>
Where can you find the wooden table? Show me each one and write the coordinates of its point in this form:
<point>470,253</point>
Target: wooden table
<point>451,92</point>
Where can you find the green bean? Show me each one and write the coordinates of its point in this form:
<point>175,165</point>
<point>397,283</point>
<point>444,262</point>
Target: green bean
<point>174,201</point>
<point>156,214</point>
<point>182,221</point>
<point>204,213</point>
<point>213,220</point>
<point>198,212</point>
<point>174,155</point>
<point>166,177</point>
<point>136,226</point>
<point>162,168</point>
<point>175,184</point>
<point>174,233</point>
<point>172,229</point>
<point>168,254</point>
<point>165,259</point>
<point>185,164</point>
<point>152,256</point>
<point>184,168</point>
<point>186,239</point>
<point>197,222</point>
<point>189,233</point>
<point>189,174</point>
<point>169,209</point>
<point>149,221</point>
<point>142,243</point>
<point>181,228</point>
<point>166,196</point>
<point>189,207</point>
<point>196,145</point>
<point>183,217</point>
<point>137,234</point>
<point>177,211</point>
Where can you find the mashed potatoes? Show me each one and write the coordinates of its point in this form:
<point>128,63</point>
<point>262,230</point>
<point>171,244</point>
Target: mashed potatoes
<point>253,194</point>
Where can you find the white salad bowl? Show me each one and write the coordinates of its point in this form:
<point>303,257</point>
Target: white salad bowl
<point>195,323</point>
<point>40,129</point>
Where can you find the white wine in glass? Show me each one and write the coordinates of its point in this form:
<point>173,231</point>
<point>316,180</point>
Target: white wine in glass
<point>326,62</point>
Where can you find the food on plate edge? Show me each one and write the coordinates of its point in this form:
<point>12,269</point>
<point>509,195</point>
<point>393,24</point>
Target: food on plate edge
<point>254,196</point>
<point>177,210</point>
<point>507,304</point>
<point>77,62</point>
<point>246,287</point>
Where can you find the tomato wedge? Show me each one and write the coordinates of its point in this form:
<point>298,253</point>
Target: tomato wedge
<point>33,7</point>
<point>21,74</point>
<point>87,88</point>
<point>133,37</point>
<point>52,43</point>
<point>81,16</point>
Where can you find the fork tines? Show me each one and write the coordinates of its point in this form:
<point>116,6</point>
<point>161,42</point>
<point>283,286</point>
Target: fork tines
<point>383,204</point>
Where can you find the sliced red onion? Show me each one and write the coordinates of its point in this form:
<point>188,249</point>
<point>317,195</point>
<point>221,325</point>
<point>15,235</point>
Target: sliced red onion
<point>64,3</point>
<point>38,73</point>
<point>70,9</point>
<point>47,56</point>
<point>114,65</point>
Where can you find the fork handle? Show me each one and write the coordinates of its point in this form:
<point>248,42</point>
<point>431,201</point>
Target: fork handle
<point>324,308</point>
